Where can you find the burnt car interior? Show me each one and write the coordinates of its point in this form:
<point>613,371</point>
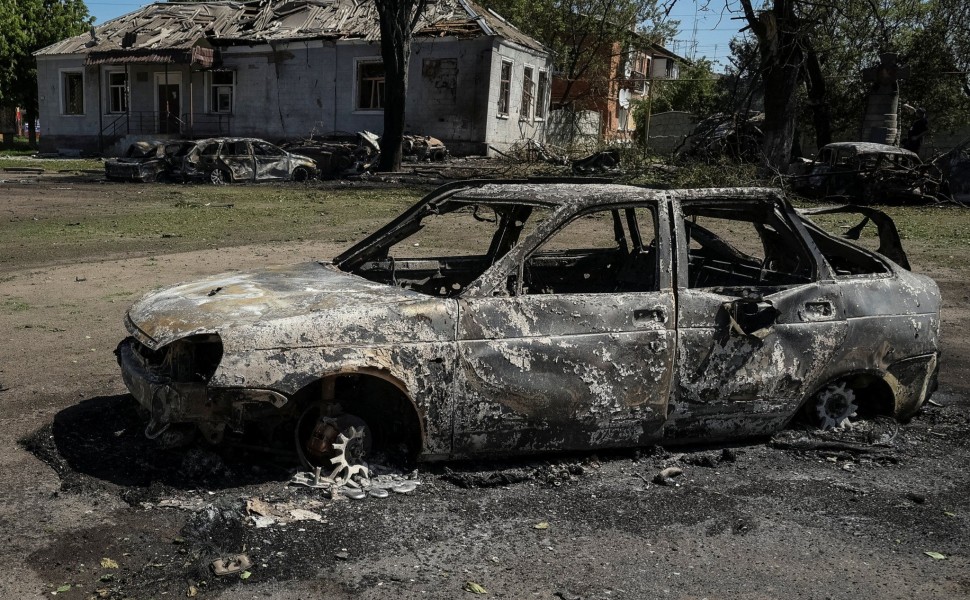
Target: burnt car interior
<point>600,251</point>
<point>447,245</point>
<point>738,246</point>
<point>612,250</point>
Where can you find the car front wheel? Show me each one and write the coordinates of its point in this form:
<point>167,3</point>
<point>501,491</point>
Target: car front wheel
<point>301,174</point>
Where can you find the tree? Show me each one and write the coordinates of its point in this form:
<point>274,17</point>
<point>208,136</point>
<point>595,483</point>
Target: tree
<point>34,25</point>
<point>782,47</point>
<point>695,91</point>
<point>398,18</point>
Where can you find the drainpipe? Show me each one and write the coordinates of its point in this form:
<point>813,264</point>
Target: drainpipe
<point>165,104</point>
<point>127,100</point>
<point>100,116</point>
<point>336,65</point>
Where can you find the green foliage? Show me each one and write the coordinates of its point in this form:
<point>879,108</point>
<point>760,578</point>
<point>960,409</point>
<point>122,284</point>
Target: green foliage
<point>930,36</point>
<point>696,91</point>
<point>25,27</point>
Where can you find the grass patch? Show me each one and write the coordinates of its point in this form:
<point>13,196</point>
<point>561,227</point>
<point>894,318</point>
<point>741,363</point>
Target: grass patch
<point>12,305</point>
<point>11,160</point>
<point>149,219</point>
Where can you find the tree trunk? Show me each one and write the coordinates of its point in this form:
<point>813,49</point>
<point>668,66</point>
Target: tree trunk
<point>397,18</point>
<point>815,86</point>
<point>782,60</point>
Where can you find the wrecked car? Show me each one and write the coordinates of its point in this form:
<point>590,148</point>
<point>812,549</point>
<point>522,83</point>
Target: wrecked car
<point>868,173</point>
<point>496,318</point>
<point>230,160</point>
<point>148,161</point>
<point>955,167</point>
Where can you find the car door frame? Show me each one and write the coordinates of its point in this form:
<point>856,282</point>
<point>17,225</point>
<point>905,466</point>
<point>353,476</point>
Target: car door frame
<point>708,404</point>
<point>484,422</point>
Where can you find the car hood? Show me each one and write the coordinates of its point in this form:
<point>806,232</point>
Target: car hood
<point>301,306</point>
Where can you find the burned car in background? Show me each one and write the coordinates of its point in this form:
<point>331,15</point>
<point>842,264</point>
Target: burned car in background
<point>496,318</point>
<point>955,167</point>
<point>232,160</point>
<point>869,173</point>
<point>148,161</point>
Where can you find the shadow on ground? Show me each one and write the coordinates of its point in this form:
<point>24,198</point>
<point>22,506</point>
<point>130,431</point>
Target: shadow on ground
<point>99,443</point>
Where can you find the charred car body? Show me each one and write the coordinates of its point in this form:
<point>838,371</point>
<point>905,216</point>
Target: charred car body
<point>148,161</point>
<point>511,317</point>
<point>231,160</point>
<point>869,173</point>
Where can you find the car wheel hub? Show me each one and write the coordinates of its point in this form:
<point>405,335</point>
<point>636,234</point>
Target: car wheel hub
<point>834,406</point>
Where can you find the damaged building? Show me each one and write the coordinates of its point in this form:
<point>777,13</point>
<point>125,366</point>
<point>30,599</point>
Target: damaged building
<point>285,70</point>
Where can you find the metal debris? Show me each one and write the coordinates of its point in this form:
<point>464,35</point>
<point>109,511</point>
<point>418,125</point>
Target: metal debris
<point>230,565</point>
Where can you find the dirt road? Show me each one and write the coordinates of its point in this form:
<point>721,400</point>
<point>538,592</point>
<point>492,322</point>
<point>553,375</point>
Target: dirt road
<point>79,484</point>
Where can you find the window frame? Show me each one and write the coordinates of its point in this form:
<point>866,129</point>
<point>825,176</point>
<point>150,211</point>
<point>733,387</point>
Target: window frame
<point>380,83</point>
<point>112,87</point>
<point>633,240</point>
<point>505,89</point>
<point>63,75</point>
<point>528,93</point>
<point>212,104</point>
<point>542,90</point>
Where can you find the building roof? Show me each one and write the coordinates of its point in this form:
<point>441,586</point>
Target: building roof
<point>179,32</point>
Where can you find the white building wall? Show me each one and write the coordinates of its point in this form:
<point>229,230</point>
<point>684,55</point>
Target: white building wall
<point>293,90</point>
<point>504,131</point>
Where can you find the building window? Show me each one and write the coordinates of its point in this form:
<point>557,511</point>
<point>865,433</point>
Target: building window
<point>72,90</point>
<point>541,94</point>
<point>370,86</point>
<point>623,119</point>
<point>117,92</point>
<point>505,88</point>
<point>528,93</point>
<point>222,91</point>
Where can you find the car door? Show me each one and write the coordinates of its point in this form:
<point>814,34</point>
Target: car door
<point>578,351</point>
<point>237,156</point>
<point>271,161</point>
<point>759,316</point>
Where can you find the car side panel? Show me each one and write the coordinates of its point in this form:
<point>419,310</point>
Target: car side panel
<point>563,371</point>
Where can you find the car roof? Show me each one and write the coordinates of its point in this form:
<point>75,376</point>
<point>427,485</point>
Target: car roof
<point>580,194</point>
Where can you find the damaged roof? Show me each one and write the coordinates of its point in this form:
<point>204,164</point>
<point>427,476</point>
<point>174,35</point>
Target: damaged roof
<point>186,31</point>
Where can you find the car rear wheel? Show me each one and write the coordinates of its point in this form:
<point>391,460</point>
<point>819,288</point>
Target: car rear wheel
<point>218,177</point>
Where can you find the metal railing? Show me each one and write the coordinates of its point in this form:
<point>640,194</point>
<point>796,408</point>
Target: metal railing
<point>146,122</point>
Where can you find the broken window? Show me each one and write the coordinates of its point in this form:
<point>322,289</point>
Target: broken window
<point>117,92</point>
<point>746,245</point>
<point>610,250</point>
<point>370,86</point>
<point>222,91</point>
<point>505,87</point>
<point>266,149</point>
<point>541,93</point>
<point>72,90</point>
<point>448,245</point>
<point>528,93</point>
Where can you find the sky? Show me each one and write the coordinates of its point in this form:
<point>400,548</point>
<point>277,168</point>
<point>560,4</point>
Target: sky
<point>706,26</point>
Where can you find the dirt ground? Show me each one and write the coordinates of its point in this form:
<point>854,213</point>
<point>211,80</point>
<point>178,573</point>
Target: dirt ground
<point>766,519</point>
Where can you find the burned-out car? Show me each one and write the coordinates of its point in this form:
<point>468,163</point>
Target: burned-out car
<point>231,160</point>
<point>869,173</point>
<point>513,317</point>
<point>148,161</point>
<point>955,167</point>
